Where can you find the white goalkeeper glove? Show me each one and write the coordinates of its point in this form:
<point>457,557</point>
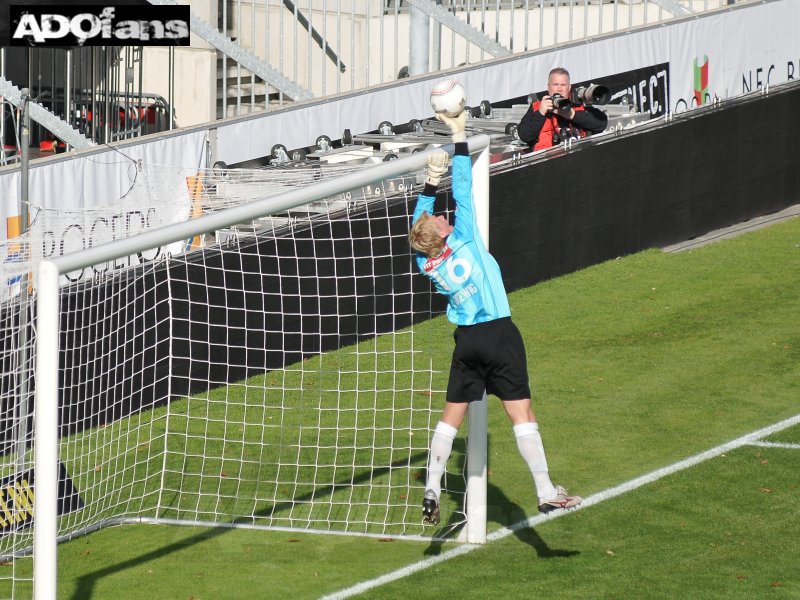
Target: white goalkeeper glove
<point>436,168</point>
<point>456,125</point>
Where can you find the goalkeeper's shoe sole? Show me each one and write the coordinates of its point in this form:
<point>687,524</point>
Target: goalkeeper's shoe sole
<point>430,508</point>
<point>562,500</point>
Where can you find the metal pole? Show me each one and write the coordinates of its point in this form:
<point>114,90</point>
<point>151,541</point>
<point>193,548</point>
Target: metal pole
<point>419,26</point>
<point>477,417</point>
<point>436,44</point>
<point>25,97</point>
<point>93,92</point>
<point>68,90</point>
<point>23,408</point>
<point>105,92</point>
<point>2,109</point>
<point>45,501</point>
<point>171,86</point>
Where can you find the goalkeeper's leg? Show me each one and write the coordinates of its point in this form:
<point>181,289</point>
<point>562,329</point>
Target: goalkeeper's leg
<point>441,446</point>
<point>529,443</point>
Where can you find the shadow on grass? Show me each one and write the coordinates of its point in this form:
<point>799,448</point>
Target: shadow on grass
<point>500,509</point>
<point>509,514</point>
<point>85,585</point>
<point>84,588</point>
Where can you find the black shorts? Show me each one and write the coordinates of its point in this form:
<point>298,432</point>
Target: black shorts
<point>488,356</point>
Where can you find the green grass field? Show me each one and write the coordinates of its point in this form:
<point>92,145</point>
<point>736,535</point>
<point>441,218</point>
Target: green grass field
<point>636,364</point>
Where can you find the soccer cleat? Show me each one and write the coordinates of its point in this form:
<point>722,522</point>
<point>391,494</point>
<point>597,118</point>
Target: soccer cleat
<point>430,508</point>
<point>561,500</point>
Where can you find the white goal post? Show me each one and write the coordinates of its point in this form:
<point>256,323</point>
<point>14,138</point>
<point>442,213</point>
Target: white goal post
<point>336,440</point>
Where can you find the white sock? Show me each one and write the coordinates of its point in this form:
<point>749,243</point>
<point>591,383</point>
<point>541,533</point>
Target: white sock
<point>529,442</point>
<point>441,445</point>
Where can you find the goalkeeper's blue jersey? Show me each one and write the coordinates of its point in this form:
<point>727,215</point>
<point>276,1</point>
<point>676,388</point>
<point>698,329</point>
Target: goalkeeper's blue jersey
<point>465,272</point>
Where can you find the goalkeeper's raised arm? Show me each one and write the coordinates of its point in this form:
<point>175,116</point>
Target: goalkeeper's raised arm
<point>454,257</point>
<point>489,354</point>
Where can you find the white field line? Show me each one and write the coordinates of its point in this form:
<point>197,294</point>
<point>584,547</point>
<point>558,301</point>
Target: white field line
<point>748,439</point>
<point>785,445</point>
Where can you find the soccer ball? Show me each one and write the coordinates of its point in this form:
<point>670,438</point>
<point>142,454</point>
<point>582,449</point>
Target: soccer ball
<point>448,98</point>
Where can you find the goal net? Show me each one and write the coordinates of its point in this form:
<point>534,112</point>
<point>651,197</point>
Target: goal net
<point>285,371</point>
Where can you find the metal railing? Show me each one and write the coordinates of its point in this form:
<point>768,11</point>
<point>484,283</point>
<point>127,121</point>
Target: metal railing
<point>80,96</point>
<point>346,45</point>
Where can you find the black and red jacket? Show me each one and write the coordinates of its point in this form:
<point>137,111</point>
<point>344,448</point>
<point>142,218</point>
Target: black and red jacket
<point>538,130</point>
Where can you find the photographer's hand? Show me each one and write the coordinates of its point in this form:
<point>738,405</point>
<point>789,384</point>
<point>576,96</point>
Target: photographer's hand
<point>567,113</point>
<point>545,105</point>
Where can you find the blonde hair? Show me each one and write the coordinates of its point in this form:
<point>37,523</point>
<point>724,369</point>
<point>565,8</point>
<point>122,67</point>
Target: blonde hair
<point>425,237</point>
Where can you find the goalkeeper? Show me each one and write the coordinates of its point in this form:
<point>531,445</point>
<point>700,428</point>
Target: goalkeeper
<point>489,352</point>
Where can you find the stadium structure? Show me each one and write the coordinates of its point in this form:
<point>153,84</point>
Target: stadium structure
<point>209,310</point>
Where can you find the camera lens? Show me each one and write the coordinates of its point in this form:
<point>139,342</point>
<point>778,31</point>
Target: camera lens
<point>559,102</point>
<point>592,94</point>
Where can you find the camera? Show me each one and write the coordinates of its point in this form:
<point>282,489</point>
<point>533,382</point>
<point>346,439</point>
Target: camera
<point>565,133</point>
<point>591,94</point>
<point>559,102</point>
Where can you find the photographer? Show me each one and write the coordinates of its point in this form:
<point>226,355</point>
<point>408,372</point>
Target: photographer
<point>555,117</point>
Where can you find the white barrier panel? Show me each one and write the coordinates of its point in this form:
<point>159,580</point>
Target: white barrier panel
<point>94,197</point>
